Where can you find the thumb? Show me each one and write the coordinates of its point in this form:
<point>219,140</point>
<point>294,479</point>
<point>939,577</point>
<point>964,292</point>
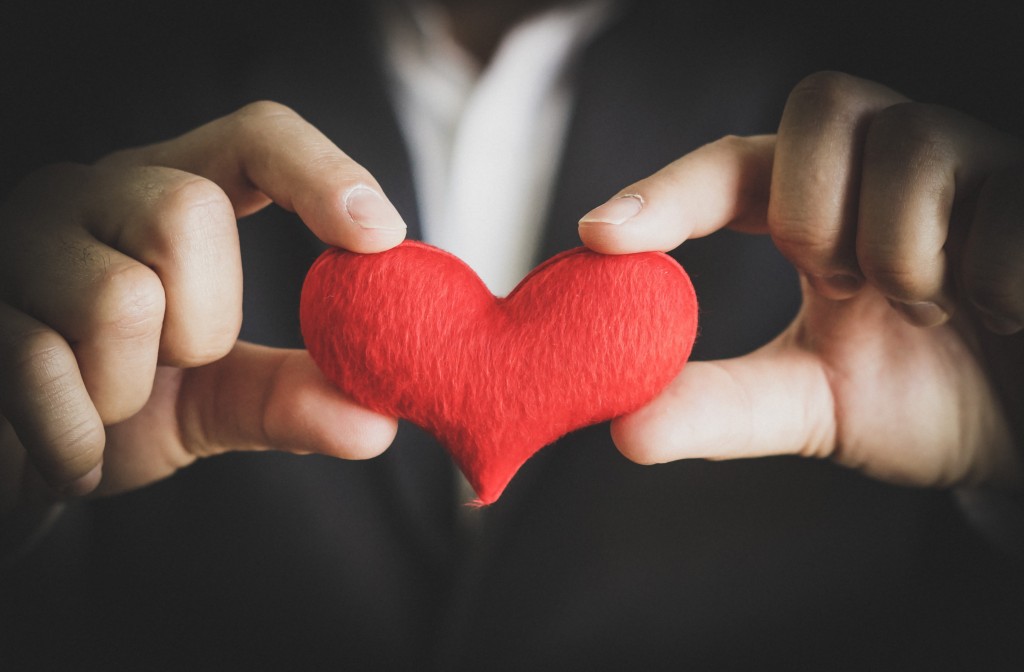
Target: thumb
<point>258,398</point>
<point>775,401</point>
<point>255,398</point>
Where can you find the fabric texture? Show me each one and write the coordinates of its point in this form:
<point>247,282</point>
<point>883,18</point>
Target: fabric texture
<point>414,333</point>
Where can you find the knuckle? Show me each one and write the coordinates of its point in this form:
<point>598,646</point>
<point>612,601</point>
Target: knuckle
<point>252,118</point>
<point>130,302</point>
<point>191,212</point>
<point>827,92</point>
<point>916,130</point>
<point>191,195</point>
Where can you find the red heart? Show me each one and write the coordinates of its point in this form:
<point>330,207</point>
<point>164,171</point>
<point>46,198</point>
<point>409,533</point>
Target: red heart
<point>414,333</point>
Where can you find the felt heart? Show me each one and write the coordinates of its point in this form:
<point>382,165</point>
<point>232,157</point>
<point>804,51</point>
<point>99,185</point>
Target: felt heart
<point>414,333</point>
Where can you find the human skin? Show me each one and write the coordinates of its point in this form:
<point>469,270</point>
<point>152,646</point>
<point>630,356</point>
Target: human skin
<point>904,222</point>
<point>119,316</point>
<point>121,307</point>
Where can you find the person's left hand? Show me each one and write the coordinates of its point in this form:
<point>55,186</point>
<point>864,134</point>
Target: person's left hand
<point>906,222</point>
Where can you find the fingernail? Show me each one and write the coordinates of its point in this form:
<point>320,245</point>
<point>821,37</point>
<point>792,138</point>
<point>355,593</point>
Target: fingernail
<point>836,286</point>
<point>370,210</point>
<point>921,313</point>
<point>617,211</point>
<point>84,485</point>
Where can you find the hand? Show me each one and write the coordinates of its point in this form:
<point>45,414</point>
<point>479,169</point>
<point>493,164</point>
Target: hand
<point>905,223</point>
<point>120,305</point>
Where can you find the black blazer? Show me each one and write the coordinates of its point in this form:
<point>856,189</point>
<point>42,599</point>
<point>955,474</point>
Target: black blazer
<point>587,561</point>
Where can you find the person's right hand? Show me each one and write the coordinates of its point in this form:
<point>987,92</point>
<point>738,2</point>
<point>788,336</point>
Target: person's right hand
<point>905,359</point>
<point>120,306</point>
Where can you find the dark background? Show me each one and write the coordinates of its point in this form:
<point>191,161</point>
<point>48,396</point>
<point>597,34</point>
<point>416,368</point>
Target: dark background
<point>77,82</point>
<point>66,68</point>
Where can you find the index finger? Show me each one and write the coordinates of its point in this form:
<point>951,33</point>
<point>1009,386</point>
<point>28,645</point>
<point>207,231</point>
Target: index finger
<point>724,183</point>
<point>266,152</point>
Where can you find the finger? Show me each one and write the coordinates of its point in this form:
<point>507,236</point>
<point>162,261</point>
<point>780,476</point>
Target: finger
<point>721,184</point>
<point>258,398</point>
<point>265,151</point>
<point>772,402</point>
<point>993,262</point>
<point>112,320</point>
<point>105,304</point>
<point>43,396</point>
<point>919,160</point>
<point>183,228</point>
<point>812,213</point>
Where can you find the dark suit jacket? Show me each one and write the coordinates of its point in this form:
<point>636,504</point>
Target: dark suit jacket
<point>588,561</point>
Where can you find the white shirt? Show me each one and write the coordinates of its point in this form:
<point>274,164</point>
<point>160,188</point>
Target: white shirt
<point>485,144</point>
